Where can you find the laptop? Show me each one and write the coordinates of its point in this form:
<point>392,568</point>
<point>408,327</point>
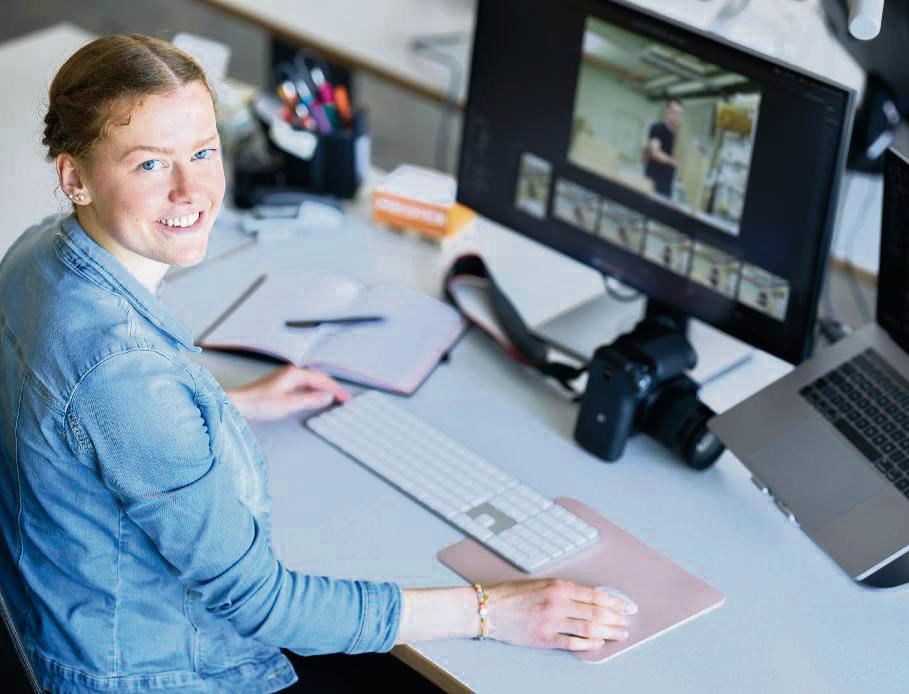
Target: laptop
<point>829,442</point>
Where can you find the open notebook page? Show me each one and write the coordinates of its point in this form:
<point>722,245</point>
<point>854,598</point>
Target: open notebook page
<point>396,354</point>
<point>258,323</point>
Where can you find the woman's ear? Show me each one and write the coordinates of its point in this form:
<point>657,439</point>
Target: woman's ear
<point>71,182</point>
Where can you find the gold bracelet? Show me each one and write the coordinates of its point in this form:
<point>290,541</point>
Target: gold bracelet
<point>482,608</point>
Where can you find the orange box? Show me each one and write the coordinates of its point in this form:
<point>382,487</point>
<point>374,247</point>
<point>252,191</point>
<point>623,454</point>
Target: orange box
<point>420,199</point>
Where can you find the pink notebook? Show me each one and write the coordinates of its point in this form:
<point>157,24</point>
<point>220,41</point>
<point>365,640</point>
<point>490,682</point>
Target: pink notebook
<point>666,594</point>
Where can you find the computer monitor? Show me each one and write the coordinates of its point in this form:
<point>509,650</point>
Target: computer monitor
<point>700,173</point>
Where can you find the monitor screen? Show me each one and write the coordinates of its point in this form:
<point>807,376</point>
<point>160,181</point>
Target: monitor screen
<point>695,171</point>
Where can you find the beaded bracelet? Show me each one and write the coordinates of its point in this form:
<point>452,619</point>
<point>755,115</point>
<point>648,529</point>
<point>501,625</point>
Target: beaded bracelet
<point>482,602</point>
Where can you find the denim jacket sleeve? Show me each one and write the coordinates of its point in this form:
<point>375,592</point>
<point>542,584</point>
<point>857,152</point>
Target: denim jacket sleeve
<point>140,419</point>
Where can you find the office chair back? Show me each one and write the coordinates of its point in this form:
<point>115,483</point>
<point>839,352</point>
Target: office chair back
<point>18,675</point>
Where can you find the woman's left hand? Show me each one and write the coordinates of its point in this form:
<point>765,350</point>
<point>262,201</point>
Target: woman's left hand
<point>285,391</point>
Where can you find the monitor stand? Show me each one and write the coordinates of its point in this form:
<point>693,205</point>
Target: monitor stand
<point>600,320</point>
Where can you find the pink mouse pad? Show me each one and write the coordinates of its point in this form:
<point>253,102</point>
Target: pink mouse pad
<point>666,594</point>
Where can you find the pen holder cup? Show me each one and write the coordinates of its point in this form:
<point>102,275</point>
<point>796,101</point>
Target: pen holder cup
<point>339,162</point>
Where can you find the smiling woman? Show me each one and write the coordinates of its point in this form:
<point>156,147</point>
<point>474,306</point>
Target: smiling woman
<point>151,187</point>
<point>146,186</point>
<point>134,509</point>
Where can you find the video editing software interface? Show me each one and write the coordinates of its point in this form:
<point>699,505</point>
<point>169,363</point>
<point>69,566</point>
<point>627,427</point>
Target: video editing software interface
<point>696,172</point>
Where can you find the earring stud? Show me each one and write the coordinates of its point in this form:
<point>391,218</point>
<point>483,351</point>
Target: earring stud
<point>76,198</point>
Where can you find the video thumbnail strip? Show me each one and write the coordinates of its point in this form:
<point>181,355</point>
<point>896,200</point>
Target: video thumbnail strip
<point>668,248</point>
<point>576,205</point>
<point>764,291</point>
<point>623,227</point>
<point>671,249</point>
<point>534,179</point>
<point>715,269</point>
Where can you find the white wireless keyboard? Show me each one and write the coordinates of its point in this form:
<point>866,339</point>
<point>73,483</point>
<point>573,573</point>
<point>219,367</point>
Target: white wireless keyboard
<point>508,517</point>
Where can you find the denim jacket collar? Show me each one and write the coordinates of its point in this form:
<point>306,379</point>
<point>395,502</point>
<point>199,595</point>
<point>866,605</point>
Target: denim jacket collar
<point>102,268</point>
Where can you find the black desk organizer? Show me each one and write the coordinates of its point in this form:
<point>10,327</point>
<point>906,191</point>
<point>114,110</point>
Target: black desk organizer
<point>337,166</point>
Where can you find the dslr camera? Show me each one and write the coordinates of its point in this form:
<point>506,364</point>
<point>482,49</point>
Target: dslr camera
<point>638,384</point>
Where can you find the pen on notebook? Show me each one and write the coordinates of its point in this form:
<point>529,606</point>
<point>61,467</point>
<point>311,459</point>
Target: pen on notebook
<point>347,320</point>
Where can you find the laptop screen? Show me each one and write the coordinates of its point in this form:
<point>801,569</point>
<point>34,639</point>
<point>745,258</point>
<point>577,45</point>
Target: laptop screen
<point>893,273</point>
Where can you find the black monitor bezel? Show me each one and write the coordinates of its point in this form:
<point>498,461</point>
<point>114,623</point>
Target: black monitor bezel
<point>801,347</point>
<point>889,281</point>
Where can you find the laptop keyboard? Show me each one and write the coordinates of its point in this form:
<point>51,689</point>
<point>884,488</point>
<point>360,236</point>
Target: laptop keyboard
<point>868,402</point>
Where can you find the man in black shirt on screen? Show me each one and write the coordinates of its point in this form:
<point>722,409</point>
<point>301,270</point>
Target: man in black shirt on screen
<point>661,164</point>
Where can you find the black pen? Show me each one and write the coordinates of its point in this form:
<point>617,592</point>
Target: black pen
<point>348,320</point>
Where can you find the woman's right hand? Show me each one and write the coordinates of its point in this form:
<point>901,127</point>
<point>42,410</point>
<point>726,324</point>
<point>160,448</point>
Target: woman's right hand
<point>554,613</point>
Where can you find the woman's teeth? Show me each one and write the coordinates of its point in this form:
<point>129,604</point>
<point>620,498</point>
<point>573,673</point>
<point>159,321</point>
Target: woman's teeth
<point>186,221</point>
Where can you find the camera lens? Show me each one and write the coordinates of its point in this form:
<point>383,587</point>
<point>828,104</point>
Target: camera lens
<point>703,447</point>
<point>678,419</point>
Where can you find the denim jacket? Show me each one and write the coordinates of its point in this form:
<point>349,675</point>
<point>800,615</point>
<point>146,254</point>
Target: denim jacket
<point>134,509</point>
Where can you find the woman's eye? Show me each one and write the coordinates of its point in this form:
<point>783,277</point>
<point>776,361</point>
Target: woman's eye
<point>204,154</point>
<point>151,164</point>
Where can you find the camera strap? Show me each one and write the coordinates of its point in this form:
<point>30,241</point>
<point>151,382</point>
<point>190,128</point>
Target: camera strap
<point>470,286</point>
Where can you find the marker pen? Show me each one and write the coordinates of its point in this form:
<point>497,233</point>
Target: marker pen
<point>304,116</point>
<point>322,85</point>
<point>288,96</point>
<point>318,112</point>
<point>304,93</point>
<point>342,101</point>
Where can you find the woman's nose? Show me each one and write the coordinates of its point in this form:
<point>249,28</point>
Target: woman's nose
<point>186,188</point>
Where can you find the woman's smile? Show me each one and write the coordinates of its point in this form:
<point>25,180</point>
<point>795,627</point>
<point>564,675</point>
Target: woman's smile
<point>184,224</point>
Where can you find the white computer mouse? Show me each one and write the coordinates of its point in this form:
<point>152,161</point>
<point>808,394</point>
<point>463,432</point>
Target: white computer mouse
<point>614,592</point>
<point>319,216</point>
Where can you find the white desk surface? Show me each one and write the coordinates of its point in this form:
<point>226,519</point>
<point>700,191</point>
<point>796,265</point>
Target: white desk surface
<point>792,621</point>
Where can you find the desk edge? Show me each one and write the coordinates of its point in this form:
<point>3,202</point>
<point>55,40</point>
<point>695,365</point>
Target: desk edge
<point>428,669</point>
